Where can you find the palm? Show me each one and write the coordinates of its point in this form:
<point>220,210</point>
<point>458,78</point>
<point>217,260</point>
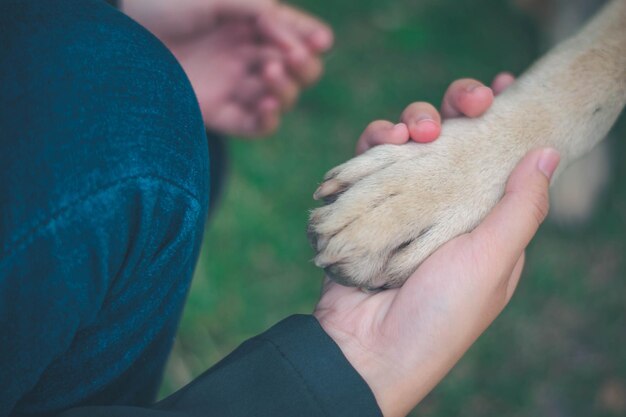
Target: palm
<point>427,324</point>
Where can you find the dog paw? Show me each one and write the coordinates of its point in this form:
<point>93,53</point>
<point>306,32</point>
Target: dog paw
<point>388,209</point>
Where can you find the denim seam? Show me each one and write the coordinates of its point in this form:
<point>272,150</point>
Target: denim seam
<point>29,236</point>
<point>304,382</point>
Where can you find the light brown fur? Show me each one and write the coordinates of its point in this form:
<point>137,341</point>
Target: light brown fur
<point>394,205</point>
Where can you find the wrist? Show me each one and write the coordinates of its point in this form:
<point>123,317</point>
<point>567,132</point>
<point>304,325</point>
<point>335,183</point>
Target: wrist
<point>387,380</point>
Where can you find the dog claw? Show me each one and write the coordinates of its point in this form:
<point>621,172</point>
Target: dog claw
<point>327,188</point>
<point>335,273</point>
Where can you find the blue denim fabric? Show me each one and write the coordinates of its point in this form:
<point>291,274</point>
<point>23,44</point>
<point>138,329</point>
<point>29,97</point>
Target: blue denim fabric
<point>103,197</point>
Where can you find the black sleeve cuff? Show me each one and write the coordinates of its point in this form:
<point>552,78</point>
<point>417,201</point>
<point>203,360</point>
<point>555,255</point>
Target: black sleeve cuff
<point>293,369</point>
<point>321,368</point>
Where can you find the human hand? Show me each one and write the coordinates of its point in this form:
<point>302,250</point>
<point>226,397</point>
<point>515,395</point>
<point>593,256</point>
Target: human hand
<point>404,341</point>
<point>421,122</point>
<point>247,60</point>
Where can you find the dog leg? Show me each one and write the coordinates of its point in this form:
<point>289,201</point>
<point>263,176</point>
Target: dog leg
<point>575,195</point>
<point>394,205</point>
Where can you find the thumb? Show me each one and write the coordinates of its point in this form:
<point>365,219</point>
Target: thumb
<point>514,221</point>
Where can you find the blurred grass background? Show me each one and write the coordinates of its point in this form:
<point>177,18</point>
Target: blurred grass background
<point>557,350</point>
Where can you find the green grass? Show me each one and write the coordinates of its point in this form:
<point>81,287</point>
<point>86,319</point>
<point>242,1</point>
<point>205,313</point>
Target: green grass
<point>558,349</point>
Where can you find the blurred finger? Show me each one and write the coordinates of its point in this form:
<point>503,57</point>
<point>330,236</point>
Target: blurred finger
<point>283,37</point>
<point>249,91</point>
<point>382,132</point>
<point>233,119</point>
<point>303,63</point>
<point>242,9</point>
<point>423,121</point>
<point>236,31</point>
<point>256,57</point>
<point>466,97</point>
<point>307,70</point>
<point>281,84</point>
<point>502,82</point>
<point>317,35</point>
<point>268,116</point>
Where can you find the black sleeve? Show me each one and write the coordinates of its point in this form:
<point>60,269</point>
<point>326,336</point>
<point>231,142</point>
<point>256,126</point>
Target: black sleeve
<point>114,3</point>
<point>293,369</point>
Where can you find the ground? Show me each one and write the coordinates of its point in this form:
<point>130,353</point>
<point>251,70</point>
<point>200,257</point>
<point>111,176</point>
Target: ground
<point>557,350</point>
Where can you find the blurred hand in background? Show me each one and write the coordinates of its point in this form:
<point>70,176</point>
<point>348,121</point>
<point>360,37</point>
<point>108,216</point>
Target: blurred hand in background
<point>247,60</point>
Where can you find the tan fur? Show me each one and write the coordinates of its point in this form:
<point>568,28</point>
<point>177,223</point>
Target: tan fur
<point>576,194</point>
<point>395,205</point>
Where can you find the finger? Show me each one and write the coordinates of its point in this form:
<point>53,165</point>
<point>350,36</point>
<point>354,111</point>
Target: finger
<point>302,63</point>
<point>507,230</point>
<point>466,97</point>
<point>268,116</point>
<point>281,84</point>
<point>256,57</point>
<point>281,36</point>
<point>249,91</point>
<point>242,8</point>
<point>382,132</point>
<point>423,121</point>
<point>317,35</point>
<point>235,30</point>
<point>234,119</point>
<point>307,70</point>
<point>502,82</point>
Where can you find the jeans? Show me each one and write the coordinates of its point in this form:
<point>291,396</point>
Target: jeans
<point>104,192</point>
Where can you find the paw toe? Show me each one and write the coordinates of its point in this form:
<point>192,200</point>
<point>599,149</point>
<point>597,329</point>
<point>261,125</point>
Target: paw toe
<point>329,190</point>
<point>337,273</point>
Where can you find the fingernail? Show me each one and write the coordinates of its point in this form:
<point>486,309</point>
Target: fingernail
<point>479,87</point>
<point>548,162</point>
<point>399,126</point>
<point>425,129</point>
<point>426,121</point>
<point>470,88</point>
